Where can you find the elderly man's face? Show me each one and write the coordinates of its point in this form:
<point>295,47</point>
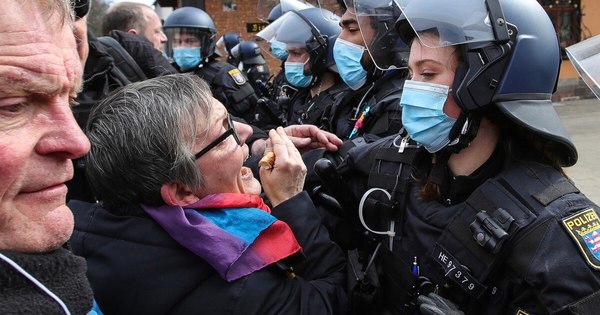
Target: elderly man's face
<point>153,31</point>
<point>40,71</point>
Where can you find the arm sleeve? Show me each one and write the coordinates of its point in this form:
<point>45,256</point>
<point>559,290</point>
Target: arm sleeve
<point>318,287</point>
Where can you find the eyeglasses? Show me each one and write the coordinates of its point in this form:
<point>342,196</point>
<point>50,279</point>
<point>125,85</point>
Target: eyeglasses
<point>229,132</point>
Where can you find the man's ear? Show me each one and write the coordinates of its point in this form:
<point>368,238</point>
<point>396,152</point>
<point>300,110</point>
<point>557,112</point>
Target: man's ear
<point>132,31</point>
<point>176,194</point>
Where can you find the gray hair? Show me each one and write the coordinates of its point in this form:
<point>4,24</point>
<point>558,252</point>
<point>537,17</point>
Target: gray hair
<point>142,137</point>
<point>124,16</point>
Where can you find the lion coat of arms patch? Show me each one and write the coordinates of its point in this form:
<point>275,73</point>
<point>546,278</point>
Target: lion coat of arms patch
<point>584,228</point>
<point>237,76</point>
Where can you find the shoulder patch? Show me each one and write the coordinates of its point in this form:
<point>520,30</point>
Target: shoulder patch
<point>237,76</point>
<point>521,312</point>
<point>584,228</point>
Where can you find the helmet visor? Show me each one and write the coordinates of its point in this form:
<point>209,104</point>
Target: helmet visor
<point>264,7</point>
<point>376,20</point>
<point>290,30</point>
<point>585,56</point>
<point>453,22</point>
<point>330,5</point>
<point>187,37</point>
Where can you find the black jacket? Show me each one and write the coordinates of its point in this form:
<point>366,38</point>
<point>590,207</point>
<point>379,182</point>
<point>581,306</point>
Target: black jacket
<point>135,267</point>
<point>523,240</point>
<point>231,87</point>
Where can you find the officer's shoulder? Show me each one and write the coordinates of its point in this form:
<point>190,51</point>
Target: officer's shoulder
<point>229,71</point>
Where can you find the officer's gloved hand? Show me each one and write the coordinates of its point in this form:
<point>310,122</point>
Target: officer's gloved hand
<point>433,304</point>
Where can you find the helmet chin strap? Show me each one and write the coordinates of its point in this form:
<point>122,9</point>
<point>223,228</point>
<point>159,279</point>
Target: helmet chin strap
<point>462,133</point>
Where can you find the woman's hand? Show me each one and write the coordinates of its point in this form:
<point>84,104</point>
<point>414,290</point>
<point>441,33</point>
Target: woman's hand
<point>308,137</point>
<point>286,178</point>
<point>304,138</point>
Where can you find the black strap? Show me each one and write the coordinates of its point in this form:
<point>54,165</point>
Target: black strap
<point>123,60</point>
<point>555,191</point>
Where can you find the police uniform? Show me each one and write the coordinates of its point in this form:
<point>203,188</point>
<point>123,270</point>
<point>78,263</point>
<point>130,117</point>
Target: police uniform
<point>320,109</point>
<point>376,111</point>
<point>230,87</point>
<point>517,237</point>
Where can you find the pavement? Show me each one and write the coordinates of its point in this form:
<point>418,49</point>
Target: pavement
<point>581,119</point>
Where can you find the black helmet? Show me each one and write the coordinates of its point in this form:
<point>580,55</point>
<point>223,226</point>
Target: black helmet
<point>249,53</point>
<point>191,21</point>
<point>231,40</point>
<point>511,59</point>
<point>314,29</point>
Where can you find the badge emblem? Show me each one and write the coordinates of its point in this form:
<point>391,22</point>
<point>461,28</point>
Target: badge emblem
<point>237,76</point>
<point>584,228</point>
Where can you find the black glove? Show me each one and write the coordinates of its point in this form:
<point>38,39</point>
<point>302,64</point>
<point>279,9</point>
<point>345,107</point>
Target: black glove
<point>433,304</point>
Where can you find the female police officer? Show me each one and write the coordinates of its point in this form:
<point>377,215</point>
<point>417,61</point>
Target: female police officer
<point>485,219</point>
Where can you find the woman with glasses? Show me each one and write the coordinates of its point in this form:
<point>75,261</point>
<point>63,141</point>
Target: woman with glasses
<point>180,227</point>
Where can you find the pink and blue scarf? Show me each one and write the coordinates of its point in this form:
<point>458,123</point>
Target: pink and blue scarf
<point>234,233</point>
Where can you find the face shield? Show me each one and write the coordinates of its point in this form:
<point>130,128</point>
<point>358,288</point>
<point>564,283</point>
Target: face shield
<point>452,22</point>
<point>264,7</point>
<point>330,5</point>
<point>585,56</point>
<point>187,37</point>
<point>289,32</point>
<point>376,20</point>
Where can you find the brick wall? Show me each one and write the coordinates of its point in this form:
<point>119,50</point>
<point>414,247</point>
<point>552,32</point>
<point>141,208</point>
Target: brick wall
<point>235,22</point>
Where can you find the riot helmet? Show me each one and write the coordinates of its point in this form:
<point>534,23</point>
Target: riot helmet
<point>191,29</point>
<point>231,40</point>
<point>510,60</point>
<point>314,30</point>
<point>249,53</point>
<point>269,10</point>
<point>376,20</point>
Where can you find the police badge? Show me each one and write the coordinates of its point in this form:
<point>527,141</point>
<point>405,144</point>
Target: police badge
<point>584,228</point>
<point>237,76</point>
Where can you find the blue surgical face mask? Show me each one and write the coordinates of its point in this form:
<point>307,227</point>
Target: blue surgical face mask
<point>423,114</point>
<point>278,50</point>
<point>294,73</point>
<point>187,58</point>
<point>347,57</point>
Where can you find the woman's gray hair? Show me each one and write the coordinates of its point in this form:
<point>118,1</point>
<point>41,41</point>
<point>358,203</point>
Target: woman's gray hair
<point>142,137</point>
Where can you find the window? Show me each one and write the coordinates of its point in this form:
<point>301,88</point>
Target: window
<point>566,17</point>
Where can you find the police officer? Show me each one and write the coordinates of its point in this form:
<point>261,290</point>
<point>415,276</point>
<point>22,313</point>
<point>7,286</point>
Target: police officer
<point>253,65</point>
<point>191,33</point>
<point>309,36</point>
<point>473,213</point>
<point>368,59</point>
<point>227,42</point>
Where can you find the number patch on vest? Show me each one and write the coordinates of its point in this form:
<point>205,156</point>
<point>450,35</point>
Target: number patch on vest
<point>584,228</point>
<point>457,272</point>
<point>237,76</point>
